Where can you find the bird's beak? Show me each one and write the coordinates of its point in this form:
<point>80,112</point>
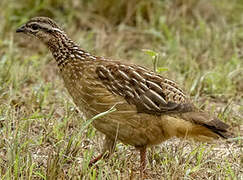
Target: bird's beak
<point>21,29</point>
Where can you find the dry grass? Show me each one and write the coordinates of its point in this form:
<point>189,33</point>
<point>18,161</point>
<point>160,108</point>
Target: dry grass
<point>199,42</point>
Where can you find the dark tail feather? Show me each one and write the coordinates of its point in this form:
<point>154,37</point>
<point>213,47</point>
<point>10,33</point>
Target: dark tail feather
<point>214,124</point>
<point>224,133</point>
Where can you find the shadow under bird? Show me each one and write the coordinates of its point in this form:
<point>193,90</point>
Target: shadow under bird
<point>149,107</point>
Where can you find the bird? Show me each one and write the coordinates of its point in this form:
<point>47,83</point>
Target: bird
<point>150,108</point>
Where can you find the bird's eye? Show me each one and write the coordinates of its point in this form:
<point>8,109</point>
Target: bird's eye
<point>34,26</point>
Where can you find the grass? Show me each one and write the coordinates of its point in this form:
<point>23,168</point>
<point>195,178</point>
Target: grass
<point>199,45</point>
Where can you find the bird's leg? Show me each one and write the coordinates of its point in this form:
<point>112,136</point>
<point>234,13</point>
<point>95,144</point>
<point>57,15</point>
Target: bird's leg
<point>108,149</point>
<point>142,160</point>
<point>93,161</point>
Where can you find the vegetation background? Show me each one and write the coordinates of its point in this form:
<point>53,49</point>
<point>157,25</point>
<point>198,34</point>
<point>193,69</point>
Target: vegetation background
<point>200,43</point>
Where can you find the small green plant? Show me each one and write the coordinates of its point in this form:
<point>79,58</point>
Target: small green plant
<point>155,58</point>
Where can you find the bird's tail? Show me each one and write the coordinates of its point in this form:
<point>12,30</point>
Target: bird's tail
<point>208,123</point>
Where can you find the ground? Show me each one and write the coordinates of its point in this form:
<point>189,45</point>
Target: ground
<point>199,45</point>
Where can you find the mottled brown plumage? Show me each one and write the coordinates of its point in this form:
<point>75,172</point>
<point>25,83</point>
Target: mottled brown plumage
<point>150,108</point>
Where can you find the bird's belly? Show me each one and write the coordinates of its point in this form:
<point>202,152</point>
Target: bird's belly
<point>124,124</point>
<point>132,128</point>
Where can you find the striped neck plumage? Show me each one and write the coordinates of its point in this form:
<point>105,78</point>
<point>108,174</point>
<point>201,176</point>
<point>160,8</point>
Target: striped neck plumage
<point>64,50</point>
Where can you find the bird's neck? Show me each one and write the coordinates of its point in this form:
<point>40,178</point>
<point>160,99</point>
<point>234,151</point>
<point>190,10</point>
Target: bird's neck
<point>65,50</point>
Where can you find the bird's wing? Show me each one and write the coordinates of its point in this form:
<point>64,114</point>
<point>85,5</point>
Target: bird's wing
<point>149,92</point>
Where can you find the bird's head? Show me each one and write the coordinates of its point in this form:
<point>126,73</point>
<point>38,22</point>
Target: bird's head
<point>42,28</point>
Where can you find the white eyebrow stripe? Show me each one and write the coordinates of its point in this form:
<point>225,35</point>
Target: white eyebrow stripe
<point>58,30</point>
